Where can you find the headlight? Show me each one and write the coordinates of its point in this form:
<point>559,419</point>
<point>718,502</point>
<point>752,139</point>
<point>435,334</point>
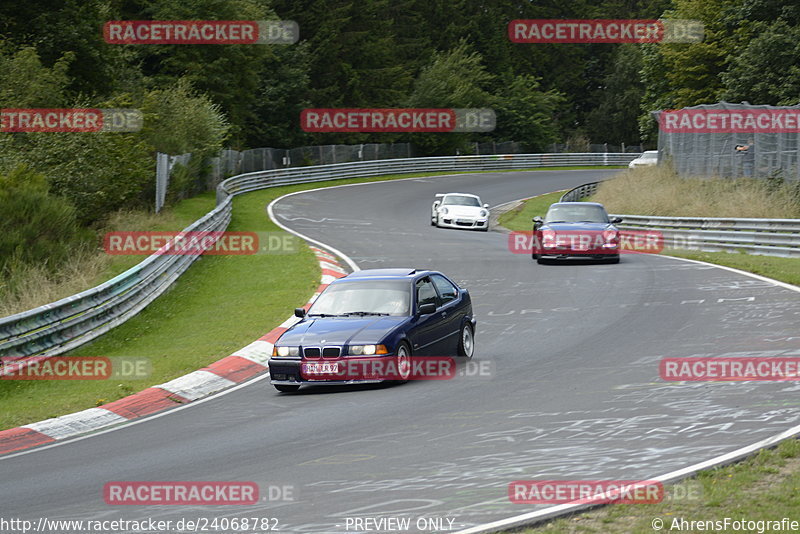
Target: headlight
<point>285,352</point>
<point>549,238</point>
<point>610,236</point>
<point>443,211</point>
<point>484,213</point>
<point>367,350</point>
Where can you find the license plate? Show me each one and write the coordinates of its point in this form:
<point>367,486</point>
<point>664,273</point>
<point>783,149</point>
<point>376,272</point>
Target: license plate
<point>464,221</point>
<point>321,368</point>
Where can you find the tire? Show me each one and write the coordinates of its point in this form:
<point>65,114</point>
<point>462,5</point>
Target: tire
<point>285,388</point>
<point>466,341</point>
<point>535,256</point>
<point>403,353</point>
<point>613,259</point>
<point>485,229</point>
<point>540,260</point>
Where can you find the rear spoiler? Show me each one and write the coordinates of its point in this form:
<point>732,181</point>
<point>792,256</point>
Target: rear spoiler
<point>439,195</point>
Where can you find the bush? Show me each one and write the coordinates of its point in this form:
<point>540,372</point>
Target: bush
<point>97,172</point>
<point>36,228</point>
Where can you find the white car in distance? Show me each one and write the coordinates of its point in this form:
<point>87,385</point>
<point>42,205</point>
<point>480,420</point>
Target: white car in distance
<point>460,210</point>
<point>647,159</point>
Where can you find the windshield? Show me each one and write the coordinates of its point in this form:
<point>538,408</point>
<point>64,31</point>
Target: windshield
<point>576,213</point>
<point>460,200</point>
<point>375,297</point>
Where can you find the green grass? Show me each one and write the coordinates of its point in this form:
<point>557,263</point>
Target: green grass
<point>175,218</point>
<point>783,269</point>
<point>764,487</point>
<point>519,218</point>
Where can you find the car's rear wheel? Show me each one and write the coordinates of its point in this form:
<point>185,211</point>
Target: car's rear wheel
<point>466,341</point>
<point>403,362</point>
<point>540,260</point>
<point>285,388</point>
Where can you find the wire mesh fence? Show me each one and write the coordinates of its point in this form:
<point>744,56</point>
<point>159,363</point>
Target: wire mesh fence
<point>731,140</point>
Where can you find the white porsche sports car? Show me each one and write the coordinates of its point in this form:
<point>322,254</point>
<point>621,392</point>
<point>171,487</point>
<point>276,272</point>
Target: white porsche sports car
<point>459,210</point>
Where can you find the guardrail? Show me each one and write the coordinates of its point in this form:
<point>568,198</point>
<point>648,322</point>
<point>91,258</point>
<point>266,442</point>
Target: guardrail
<point>58,327</point>
<point>70,322</point>
<point>258,180</point>
<point>768,237</point>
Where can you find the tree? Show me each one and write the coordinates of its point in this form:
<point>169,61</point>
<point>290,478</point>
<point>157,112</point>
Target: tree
<point>525,113</point>
<point>453,79</point>
<point>614,119</point>
<point>767,70</point>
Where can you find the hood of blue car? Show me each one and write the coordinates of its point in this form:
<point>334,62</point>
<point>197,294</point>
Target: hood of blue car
<point>315,331</point>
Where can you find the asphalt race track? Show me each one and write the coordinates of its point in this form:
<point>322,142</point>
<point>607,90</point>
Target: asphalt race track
<point>574,391</point>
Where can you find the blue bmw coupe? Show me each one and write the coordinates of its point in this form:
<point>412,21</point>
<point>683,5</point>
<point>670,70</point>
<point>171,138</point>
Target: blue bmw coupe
<point>388,315</point>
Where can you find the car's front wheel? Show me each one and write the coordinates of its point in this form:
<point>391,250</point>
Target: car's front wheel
<point>286,388</point>
<point>466,341</point>
<point>403,363</point>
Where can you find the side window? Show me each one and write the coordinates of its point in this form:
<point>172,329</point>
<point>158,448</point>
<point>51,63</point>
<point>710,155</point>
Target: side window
<point>426,293</point>
<point>447,290</point>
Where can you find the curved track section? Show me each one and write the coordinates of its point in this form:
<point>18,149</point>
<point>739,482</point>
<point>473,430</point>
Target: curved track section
<point>574,392</point>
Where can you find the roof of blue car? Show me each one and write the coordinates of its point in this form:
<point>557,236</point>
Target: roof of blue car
<point>384,273</point>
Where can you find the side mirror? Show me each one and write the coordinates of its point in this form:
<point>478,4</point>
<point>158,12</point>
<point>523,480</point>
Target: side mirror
<point>616,220</point>
<point>426,309</point>
<point>486,206</point>
<point>435,203</point>
<point>537,222</point>
<point>300,312</point>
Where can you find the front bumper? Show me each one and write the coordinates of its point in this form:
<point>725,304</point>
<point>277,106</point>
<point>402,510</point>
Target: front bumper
<point>569,252</point>
<point>463,222</point>
<point>288,372</point>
